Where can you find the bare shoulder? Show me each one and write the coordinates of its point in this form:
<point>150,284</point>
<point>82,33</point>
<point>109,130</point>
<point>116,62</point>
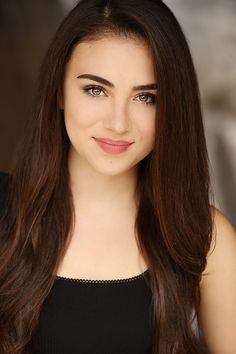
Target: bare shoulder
<point>217,313</point>
<point>223,246</point>
<point>222,224</point>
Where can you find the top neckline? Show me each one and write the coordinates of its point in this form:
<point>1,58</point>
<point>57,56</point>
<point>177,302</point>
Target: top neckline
<point>122,280</point>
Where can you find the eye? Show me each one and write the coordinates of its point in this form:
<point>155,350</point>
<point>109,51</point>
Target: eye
<point>94,89</point>
<point>144,98</point>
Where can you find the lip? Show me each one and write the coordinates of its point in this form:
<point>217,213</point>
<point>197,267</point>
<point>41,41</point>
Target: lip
<point>114,142</point>
<point>112,148</point>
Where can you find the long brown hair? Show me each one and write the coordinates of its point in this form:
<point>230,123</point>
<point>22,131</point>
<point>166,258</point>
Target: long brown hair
<point>174,222</point>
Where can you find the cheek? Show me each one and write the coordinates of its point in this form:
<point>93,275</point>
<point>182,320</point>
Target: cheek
<point>149,140</point>
<point>78,114</point>
<point>79,111</point>
<point>77,120</point>
<point>146,126</point>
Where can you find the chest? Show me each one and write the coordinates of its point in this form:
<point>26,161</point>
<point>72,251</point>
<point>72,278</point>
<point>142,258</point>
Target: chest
<point>102,250</point>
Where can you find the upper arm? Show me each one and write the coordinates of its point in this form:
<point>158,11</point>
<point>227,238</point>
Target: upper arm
<point>217,313</point>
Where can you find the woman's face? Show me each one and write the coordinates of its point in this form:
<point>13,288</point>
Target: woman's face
<point>109,105</point>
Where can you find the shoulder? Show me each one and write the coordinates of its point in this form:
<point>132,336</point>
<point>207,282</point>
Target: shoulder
<point>217,311</point>
<point>223,246</point>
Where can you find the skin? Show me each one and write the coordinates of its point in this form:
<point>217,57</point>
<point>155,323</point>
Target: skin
<point>103,184</point>
<point>217,313</point>
<point>117,113</point>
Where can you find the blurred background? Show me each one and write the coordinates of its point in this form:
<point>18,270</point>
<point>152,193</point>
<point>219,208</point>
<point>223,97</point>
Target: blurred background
<point>27,26</point>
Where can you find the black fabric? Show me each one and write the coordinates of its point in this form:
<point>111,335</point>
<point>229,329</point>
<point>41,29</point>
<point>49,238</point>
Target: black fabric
<point>96,317</point>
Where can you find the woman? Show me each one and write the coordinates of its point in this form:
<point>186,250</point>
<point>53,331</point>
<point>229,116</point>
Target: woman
<point>109,242</point>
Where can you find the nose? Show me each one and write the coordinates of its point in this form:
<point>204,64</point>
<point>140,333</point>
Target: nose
<point>117,118</point>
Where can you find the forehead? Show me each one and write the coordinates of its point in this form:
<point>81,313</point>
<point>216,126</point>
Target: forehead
<point>113,55</point>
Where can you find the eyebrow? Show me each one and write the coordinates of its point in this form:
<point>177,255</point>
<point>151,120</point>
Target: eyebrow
<point>108,83</point>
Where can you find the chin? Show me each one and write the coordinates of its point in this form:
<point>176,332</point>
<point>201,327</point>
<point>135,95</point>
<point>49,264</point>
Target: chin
<point>111,168</point>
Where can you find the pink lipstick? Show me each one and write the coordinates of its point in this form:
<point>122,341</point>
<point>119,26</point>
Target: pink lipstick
<point>112,146</point>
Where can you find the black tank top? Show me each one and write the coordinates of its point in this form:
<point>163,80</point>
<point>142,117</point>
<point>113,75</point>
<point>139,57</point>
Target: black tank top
<point>96,317</point>
<point>81,316</point>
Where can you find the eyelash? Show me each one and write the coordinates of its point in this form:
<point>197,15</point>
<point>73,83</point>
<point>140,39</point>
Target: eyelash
<point>87,88</point>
